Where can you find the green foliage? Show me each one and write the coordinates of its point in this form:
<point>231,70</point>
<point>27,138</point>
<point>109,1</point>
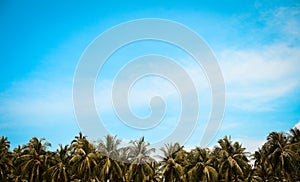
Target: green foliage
<point>277,160</point>
<point>172,162</point>
<point>5,156</point>
<point>233,161</point>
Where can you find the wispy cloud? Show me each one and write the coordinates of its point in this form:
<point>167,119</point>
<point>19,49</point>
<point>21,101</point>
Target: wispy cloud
<point>37,101</point>
<point>283,22</point>
<point>250,144</point>
<point>149,86</point>
<point>256,77</point>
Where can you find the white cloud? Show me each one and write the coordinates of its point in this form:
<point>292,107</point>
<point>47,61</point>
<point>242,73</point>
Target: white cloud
<point>147,87</point>
<point>283,21</point>
<point>250,144</point>
<point>298,125</point>
<point>256,77</point>
<point>37,102</point>
<point>251,66</point>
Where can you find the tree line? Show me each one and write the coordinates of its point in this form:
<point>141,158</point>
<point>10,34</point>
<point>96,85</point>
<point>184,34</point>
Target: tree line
<point>278,159</point>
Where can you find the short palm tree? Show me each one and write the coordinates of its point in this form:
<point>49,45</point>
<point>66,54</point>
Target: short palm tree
<point>140,168</point>
<point>84,159</point>
<point>59,171</point>
<point>295,135</point>
<point>295,141</point>
<point>34,160</point>
<point>233,162</point>
<point>171,168</point>
<point>16,175</point>
<point>5,159</point>
<point>200,166</point>
<point>262,168</point>
<point>110,167</point>
<point>281,155</point>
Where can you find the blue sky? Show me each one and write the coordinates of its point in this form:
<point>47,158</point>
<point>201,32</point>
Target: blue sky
<point>257,45</point>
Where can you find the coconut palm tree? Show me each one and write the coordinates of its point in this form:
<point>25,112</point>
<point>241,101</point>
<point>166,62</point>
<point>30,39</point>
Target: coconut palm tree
<point>200,166</point>
<point>253,176</point>
<point>110,167</point>
<point>281,155</point>
<point>16,175</point>
<point>262,169</point>
<point>171,168</point>
<point>295,141</point>
<point>59,171</point>
<point>84,159</point>
<point>34,159</point>
<point>5,159</point>
<point>233,162</point>
<point>295,135</point>
<point>140,168</point>
<point>277,160</point>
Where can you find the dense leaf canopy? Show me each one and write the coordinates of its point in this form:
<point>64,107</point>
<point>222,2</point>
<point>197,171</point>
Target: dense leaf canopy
<point>277,160</point>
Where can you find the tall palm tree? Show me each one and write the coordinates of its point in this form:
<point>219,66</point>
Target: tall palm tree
<point>84,159</point>
<point>171,168</point>
<point>16,175</point>
<point>5,159</point>
<point>110,167</point>
<point>140,168</point>
<point>124,160</point>
<point>295,135</point>
<point>262,169</point>
<point>34,159</point>
<point>59,171</point>
<point>200,166</point>
<point>281,156</point>
<point>254,176</point>
<point>233,162</point>
<point>295,141</point>
<point>277,160</point>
